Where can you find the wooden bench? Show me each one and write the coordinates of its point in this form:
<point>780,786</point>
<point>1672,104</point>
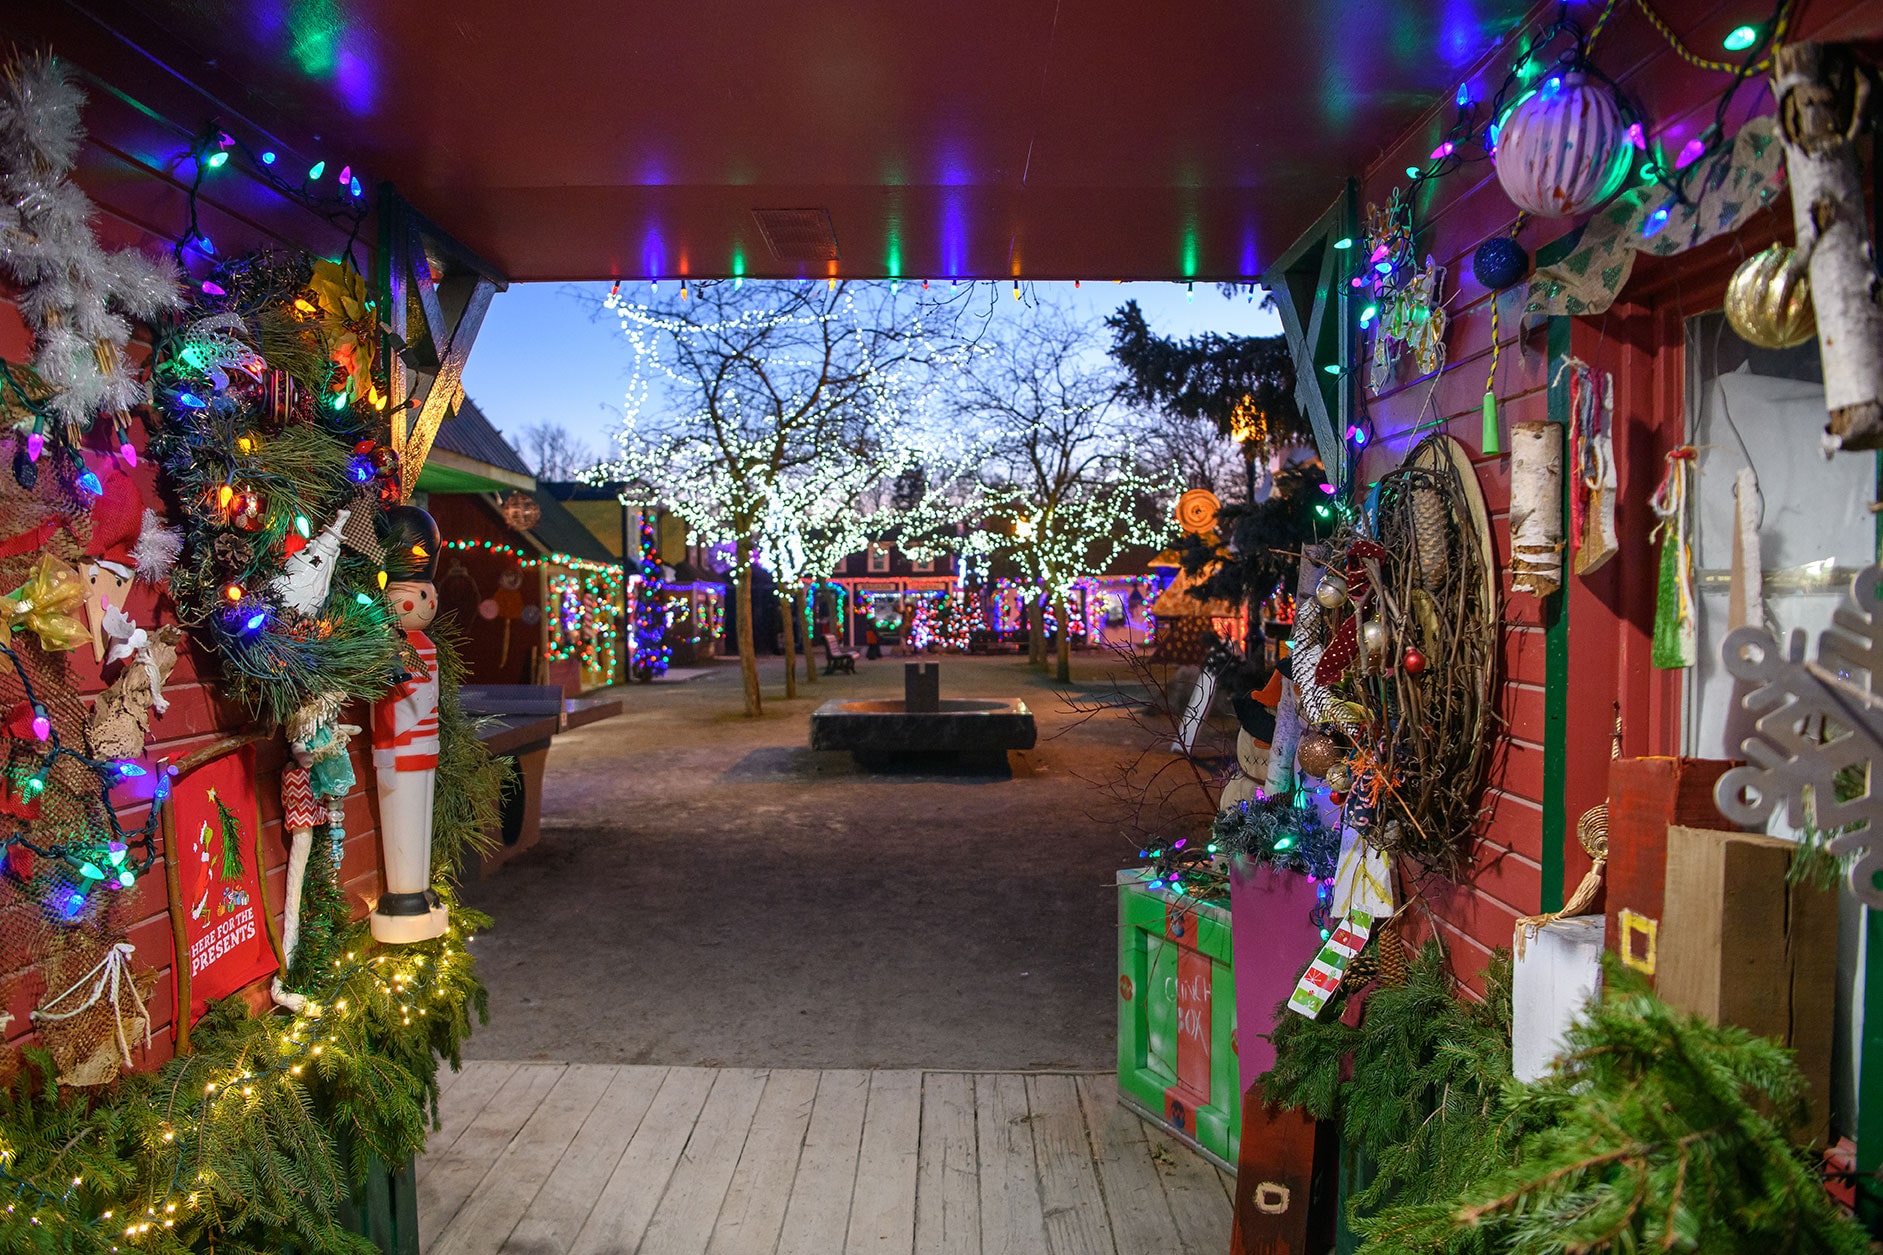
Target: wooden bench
<point>837,658</point>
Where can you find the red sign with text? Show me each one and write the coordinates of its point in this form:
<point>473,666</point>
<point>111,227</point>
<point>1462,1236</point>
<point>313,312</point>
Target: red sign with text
<point>216,815</point>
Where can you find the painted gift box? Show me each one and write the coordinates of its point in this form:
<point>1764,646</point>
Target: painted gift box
<point>1177,1016</point>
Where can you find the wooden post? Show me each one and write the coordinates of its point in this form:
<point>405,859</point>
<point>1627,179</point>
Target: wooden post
<point>1823,104</point>
<point>179,939</point>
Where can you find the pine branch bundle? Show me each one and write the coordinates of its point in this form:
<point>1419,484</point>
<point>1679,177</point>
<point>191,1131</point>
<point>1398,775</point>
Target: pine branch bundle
<point>464,818</point>
<point>1656,1131</point>
<point>325,917</point>
<point>239,1146</point>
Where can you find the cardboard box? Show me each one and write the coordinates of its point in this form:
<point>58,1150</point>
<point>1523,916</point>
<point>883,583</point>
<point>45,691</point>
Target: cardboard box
<point>1738,945</point>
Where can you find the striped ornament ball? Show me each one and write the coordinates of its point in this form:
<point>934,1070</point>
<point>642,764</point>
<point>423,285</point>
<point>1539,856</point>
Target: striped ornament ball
<point>1563,148</point>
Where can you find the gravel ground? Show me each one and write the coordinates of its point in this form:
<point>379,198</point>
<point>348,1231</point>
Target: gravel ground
<point>709,891</point>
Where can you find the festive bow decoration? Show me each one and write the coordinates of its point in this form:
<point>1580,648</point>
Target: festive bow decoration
<point>131,641</point>
<point>43,605</point>
<point>114,975</point>
<point>1362,572</point>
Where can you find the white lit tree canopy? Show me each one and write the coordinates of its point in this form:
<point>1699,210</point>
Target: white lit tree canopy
<point>1056,487</point>
<point>749,403</point>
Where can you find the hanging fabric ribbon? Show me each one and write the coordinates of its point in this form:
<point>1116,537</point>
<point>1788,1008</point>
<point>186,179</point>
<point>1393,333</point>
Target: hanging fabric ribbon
<point>1592,485</point>
<point>131,641</point>
<point>113,973</point>
<point>43,605</point>
<point>1676,636</point>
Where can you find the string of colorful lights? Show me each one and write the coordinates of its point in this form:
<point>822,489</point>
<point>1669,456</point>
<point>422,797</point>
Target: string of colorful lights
<point>532,560</point>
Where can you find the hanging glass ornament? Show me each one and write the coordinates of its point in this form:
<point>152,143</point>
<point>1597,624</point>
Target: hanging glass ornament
<point>1373,637</point>
<point>1339,777</point>
<point>1563,149</point>
<point>521,511</point>
<point>1768,300</point>
<point>1332,592</point>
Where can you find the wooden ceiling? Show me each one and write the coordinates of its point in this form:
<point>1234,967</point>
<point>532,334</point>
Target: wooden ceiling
<point>583,139</point>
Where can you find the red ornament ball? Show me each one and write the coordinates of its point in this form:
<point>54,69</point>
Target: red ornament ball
<point>1413,662</point>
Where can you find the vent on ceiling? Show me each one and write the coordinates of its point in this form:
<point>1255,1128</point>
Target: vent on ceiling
<point>798,235</point>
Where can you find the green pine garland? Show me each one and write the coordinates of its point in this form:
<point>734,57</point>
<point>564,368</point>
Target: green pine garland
<point>264,1161</point>
<point>463,818</point>
<point>254,1142</point>
<point>1658,1131</point>
<point>215,441</point>
<point>237,1145</point>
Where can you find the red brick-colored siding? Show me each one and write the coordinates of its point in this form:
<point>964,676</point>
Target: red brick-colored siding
<point>1639,339</point>
<point>123,168</point>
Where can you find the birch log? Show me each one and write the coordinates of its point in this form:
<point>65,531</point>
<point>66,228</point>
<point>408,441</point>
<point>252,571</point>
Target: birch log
<point>1823,102</point>
<point>1536,507</point>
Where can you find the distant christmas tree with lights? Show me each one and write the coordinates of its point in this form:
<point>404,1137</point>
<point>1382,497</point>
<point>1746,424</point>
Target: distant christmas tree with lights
<point>651,651</point>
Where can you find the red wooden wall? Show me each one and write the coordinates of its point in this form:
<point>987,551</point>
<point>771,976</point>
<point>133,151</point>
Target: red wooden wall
<point>125,169</point>
<point>1610,615</point>
<point>465,516</point>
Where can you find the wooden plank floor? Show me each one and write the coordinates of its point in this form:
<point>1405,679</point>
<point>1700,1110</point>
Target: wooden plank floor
<point>555,1159</point>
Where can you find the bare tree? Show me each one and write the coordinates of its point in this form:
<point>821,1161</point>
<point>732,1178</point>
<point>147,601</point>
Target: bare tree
<point>742,392</point>
<point>554,453</point>
<point>1060,483</point>
<point>1193,450</point>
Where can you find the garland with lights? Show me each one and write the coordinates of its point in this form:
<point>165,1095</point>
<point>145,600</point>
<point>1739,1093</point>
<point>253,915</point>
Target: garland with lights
<point>121,856</point>
<point>221,1147</point>
<point>585,619</point>
<point>1284,832</point>
<point>273,446</point>
<point>529,560</point>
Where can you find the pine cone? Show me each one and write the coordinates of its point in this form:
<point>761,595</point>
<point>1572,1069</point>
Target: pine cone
<point>233,552</point>
<point>1392,952</point>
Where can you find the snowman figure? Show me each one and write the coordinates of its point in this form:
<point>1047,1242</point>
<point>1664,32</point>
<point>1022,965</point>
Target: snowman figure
<point>405,738</point>
<point>308,573</point>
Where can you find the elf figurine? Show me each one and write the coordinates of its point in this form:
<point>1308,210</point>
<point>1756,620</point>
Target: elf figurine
<point>405,737</point>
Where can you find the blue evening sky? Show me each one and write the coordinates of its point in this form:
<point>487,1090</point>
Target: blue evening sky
<point>540,358</point>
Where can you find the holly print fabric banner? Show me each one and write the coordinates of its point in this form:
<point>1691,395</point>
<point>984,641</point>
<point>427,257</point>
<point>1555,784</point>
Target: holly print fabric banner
<point>215,818</point>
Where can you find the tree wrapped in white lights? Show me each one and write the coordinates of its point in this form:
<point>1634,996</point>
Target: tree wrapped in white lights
<point>1058,487</point>
<point>745,397</point>
<point>818,522</point>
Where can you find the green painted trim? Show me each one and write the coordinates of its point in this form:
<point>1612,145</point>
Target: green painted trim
<point>1870,1078</point>
<point>1555,676</point>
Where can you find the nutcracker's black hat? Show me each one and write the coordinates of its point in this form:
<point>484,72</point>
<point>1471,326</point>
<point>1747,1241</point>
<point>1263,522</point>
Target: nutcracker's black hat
<point>412,543</point>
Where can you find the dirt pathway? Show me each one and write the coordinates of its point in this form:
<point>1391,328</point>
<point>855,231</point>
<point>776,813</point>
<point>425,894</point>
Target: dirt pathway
<point>710,892</point>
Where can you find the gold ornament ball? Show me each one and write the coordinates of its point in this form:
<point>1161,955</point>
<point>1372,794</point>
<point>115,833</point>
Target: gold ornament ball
<point>1768,300</point>
<point>1373,639</point>
<point>1339,777</point>
<point>1318,753</point>
<point>1332,592</point>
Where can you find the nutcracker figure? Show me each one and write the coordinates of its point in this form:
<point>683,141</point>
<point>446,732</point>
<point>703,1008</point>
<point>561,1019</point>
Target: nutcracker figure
<point>405,737</point>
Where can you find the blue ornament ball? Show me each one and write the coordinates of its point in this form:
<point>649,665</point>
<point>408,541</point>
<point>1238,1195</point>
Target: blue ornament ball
<point>1500,262</point>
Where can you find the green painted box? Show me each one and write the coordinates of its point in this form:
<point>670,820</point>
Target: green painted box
<point>1177,1016</point>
